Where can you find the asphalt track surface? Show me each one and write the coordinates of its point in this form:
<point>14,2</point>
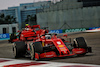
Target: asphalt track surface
<point>93,40</point>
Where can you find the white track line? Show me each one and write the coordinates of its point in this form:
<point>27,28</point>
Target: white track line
<point>48,63</point>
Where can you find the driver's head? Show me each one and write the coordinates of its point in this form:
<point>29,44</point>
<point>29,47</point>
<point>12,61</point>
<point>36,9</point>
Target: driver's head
<point>28,26</point>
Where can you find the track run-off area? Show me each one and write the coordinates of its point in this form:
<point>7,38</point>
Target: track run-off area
<point>92,39</point>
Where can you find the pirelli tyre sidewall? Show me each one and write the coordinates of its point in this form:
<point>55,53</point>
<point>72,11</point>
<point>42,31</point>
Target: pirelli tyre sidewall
<point>19,49</point>
<point>32,52</point>
<point>80,42</point>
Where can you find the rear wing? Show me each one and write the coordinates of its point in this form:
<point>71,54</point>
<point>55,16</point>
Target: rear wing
<point>36,26</point>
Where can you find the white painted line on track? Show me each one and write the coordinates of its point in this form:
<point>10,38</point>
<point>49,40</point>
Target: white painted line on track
<point>32,63</point>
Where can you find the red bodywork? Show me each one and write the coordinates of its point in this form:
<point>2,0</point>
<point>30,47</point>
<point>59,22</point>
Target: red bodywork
<point>61,47</point>
<point>39,36</point>
<point>29,33</point>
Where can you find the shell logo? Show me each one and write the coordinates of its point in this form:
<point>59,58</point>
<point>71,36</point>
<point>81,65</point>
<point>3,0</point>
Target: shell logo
<point>60,45</point>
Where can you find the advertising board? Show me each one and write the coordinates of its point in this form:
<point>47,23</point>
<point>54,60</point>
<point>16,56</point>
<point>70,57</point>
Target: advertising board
<point>91,28</point>
<point>56,31</point>
<point>4,36</point>
<point>74,30</point>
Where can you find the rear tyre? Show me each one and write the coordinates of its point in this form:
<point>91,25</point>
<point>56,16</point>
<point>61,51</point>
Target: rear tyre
<point>19,49</point>
<point>32,52</point>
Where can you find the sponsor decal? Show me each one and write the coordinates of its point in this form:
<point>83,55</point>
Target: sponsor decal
<point>91,28</point>
<point>62,48</point>
<point>56,31</point>
<point>48,55</point>
<point>3,36</point>
<point>78,51</point>
<point>60,45</point>
<point>74,30</point>
<point>58,42</point>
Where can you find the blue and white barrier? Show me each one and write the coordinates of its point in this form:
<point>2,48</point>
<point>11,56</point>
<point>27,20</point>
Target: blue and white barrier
<point>4,36</point>
<point>91,28</point>
<point>56,31</point>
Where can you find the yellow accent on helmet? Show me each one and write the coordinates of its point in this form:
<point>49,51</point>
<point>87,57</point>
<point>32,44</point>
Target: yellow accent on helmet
<point>27,24</point>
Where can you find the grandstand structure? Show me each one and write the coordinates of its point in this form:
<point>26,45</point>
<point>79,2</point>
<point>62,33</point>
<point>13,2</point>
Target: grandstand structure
<point>69,14</point>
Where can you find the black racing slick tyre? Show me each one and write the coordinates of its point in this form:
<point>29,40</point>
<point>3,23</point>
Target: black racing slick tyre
<point>19,49</point>
<point>38,47</point>
<point>80,43</point>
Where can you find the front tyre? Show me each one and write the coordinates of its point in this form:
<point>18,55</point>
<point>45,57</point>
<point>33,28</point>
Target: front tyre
<point>79,42</point>
<point>19,49</point>
<point>38,47</point>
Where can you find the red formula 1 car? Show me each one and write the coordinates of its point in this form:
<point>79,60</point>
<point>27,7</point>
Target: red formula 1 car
<point>28,34</point>
<point>49,46</point>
